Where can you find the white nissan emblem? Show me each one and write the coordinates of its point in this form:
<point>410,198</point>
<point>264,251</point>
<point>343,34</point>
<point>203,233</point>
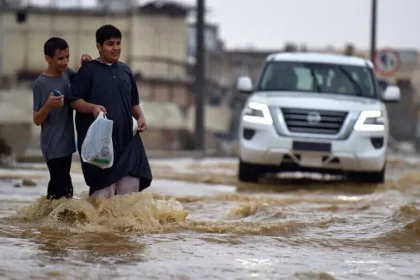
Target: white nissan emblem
<point>313,117</point>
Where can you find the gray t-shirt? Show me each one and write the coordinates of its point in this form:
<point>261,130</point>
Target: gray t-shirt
<point>57,132</point>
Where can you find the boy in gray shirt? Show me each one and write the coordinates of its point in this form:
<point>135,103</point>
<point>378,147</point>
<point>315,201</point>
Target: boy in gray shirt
<point>55,116</point>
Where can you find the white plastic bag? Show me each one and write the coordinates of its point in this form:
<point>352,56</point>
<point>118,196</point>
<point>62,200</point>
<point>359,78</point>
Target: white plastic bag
<point>97,149</point>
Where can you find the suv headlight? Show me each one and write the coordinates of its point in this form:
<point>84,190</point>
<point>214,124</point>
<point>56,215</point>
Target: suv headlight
<point>258,113</point>
<point>370,121</point>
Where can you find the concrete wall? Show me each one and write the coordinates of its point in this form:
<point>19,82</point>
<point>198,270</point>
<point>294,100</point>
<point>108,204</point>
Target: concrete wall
<point>159,36</point>
<point>23,43</point>
<point>16,120</point>
<point>216,119</point>
<point>143,36</point>
<point>402,115</point>
<point>226,68</point>
<point>17,135</point>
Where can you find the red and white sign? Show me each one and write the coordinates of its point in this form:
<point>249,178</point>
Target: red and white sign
<point>387,61</point>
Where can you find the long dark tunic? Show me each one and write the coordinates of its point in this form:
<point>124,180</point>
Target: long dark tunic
<point>113,87</point>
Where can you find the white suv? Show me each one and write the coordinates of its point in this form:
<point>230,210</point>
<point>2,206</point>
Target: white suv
<point>315,112</point>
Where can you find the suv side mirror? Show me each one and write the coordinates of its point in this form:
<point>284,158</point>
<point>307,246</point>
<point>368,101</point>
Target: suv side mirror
<point>244,85</point>
<point>392,94</point>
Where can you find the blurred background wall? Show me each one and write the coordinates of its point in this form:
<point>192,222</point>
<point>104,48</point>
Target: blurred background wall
<point>159,46</point>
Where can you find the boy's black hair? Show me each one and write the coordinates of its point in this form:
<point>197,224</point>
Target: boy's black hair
<point>107,32</point>
<point>53,44</point>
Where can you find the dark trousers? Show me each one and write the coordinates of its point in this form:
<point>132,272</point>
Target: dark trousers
<point>60,184</point>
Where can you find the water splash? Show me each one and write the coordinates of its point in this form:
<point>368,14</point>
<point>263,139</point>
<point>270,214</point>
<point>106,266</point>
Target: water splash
<point>139,212</point>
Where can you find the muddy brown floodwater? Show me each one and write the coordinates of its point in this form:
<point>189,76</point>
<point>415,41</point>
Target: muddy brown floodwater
<point>197,222</point>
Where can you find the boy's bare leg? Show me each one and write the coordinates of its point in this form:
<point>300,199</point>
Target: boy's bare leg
<point>128,185</point>
<point>105,192</point>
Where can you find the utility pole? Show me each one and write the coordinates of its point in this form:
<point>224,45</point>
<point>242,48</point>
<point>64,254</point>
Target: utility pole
<point>373,29</point>
<point>199,88</point>
<point>2,31</point>
<point>26,39</point>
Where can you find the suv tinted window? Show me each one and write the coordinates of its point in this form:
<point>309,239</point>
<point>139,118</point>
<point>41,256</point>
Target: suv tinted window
<point>318,77</point>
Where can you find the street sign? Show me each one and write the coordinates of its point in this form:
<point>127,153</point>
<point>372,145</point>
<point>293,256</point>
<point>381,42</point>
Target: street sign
<point>387,61</point>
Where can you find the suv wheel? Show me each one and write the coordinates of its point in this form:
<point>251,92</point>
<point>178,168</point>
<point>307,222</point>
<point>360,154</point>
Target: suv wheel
<point>249,172</point>
<point>372,177</point>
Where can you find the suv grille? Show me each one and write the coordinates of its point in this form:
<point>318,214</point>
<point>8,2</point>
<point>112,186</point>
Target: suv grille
<point>313,121</point>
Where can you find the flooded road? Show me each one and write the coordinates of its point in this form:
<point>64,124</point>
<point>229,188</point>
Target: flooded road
<point>198,222</point>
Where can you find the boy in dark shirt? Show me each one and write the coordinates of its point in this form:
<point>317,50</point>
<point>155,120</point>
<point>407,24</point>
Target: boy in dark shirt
<point>55,116</point>
<point>106,84</point>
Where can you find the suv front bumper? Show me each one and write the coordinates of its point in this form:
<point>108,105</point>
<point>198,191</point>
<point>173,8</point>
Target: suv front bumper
<point>361,151</point>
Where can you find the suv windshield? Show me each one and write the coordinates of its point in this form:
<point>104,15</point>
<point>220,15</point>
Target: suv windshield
<point>318,77</point>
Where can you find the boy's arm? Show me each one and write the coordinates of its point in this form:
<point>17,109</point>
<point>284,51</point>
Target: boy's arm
<point>85,58</point>
<point>79,91</point>
<point>41,111</point>
<point>136,110</point>
<point>84,107</point>
<point>41,115</point>
<point>135,99</point>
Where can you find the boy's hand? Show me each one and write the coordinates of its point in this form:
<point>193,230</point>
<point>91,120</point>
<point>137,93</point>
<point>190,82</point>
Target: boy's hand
<point>85,58</point>
<point>55,101</point>
<point>97,109</point>
<point>141,124</point>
